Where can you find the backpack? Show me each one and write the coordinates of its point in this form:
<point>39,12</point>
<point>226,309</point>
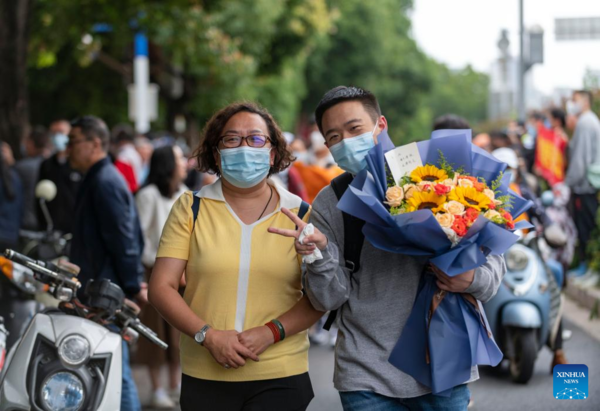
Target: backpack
<point>353,236</point>
<point>304,206</point>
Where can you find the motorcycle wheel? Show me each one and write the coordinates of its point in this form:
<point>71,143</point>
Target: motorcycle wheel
<point>525,353</point>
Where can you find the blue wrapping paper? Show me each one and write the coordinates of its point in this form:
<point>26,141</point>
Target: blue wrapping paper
<point>438,352</point>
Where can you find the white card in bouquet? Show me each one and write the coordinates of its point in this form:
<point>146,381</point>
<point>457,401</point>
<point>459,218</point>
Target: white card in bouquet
<point>403,160</point>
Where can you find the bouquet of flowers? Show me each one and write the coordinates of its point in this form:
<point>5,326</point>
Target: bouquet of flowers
<point>448,201</point>
<point>455,199</point>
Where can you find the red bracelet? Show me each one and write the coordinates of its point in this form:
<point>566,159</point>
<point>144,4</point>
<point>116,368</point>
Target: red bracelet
<point>275,330</point>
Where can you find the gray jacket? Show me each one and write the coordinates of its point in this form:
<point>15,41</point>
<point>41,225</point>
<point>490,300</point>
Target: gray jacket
<point>374,306</point>
<point>584,150</point>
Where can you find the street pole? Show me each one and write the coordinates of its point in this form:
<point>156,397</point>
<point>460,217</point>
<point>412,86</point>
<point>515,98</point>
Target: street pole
<point>521,98</point>
<point>141,77</point>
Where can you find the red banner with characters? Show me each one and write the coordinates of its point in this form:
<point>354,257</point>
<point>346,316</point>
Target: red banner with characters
<point>550,155</point>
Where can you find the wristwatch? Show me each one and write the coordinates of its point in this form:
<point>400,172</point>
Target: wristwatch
<point>201,335</point>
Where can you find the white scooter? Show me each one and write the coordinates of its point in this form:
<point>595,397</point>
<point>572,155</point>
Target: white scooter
<point>69,359</point>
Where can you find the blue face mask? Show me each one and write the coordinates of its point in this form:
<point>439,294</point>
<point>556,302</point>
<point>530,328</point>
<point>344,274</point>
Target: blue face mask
<point>59,141</point>
<point>350,153</point>
<point>245,167</point>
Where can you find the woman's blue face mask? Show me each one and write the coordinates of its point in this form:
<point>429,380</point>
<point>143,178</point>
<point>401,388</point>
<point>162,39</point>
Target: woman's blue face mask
<point>245,167</point>
<point>350,153</point>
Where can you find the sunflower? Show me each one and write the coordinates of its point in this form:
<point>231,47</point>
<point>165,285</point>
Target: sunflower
<point>422,200</point>
<point>428,173</point>
<point>470,197</point>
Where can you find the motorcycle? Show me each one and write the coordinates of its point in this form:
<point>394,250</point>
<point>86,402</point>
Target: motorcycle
<point>70,357</point>
<point>18,287</point>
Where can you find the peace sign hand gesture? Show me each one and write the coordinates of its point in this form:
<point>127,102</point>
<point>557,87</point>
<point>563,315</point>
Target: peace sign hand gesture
<point>317,239</point>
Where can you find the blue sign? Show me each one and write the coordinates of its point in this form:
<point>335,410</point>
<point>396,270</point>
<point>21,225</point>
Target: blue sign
<point>570,382</point>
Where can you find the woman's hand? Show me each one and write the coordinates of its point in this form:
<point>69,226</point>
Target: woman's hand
<point>226,349</point>
<point>257,339</point>
<point>457,284</point>
<point>318,239</point>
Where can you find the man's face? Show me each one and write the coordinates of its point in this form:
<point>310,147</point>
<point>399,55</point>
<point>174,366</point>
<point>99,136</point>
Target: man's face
<point>346,120</point>
<point>581,101</point>
<point>80,150</point>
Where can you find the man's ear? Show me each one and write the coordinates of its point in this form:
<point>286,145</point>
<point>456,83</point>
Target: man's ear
<point>381,125</point>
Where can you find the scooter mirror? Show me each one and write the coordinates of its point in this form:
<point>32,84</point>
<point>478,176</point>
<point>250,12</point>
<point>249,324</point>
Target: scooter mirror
<point>45,190</point>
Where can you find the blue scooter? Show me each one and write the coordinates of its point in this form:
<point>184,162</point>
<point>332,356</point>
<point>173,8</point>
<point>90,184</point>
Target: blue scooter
<point>521,313</point>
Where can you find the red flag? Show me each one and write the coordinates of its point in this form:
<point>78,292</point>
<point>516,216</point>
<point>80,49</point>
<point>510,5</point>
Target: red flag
<point>550,155</point>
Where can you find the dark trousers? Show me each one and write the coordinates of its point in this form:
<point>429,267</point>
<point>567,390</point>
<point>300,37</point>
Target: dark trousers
<point>585,207</point>
<point>281,394</point>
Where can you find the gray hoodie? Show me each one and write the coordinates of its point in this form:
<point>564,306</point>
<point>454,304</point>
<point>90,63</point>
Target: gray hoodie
<point>374,306</point>
<point>584,150</point>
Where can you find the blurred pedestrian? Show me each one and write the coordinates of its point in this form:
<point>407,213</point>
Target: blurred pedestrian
<point>154,202</point>
<point>584,150</point>
<point>37,148</point>
<point>123,136</point>
<point>67,180</point>
<point>144,147</point>
<point>11,200</point>
<point>483,141</point>
<point>450,122</point>
<point>243,299</point>
<point>107,239</point>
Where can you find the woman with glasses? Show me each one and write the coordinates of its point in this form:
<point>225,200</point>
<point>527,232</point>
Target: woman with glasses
<point>243,316</point>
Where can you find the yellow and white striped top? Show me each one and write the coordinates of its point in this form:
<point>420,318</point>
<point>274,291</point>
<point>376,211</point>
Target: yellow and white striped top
<point>238,277</point>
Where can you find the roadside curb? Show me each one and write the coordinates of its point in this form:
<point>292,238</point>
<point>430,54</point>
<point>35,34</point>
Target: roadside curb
<point>586,297</point>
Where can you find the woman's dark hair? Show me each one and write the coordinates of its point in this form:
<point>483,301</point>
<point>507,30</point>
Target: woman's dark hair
<point>6,178</point>
<point>211,135</point>
<point>559,114</point>
<point>162,171</point>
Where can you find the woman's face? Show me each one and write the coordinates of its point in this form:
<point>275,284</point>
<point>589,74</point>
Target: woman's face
<point>244,124</point>
<point>180,164</point>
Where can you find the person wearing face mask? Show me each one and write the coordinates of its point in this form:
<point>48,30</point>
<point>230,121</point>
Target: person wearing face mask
<point>107,238</point>
<point>67,180</point>
<point>373,291</point>
<point>584,151</point>
<point>243,316</point>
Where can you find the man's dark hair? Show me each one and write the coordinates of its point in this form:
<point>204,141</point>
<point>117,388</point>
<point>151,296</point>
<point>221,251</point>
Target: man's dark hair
<point>39,137</point>
<point>559,114</point>
<point>123,132</point>
<point>341,94</point>
<point>162,171</point>
<point>450,122</point>
<point>537,115</point>
<point>93,127</point>
<point>587,94</point>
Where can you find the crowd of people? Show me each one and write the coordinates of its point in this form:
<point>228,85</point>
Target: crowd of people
<point>211,239</point>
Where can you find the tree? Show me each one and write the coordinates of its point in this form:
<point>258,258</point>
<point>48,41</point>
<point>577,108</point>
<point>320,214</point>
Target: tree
<point>14,37</point>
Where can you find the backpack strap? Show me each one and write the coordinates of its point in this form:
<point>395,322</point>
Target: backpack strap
<point>304,206</point>
<point>195,207</point>
<point>353,236</point>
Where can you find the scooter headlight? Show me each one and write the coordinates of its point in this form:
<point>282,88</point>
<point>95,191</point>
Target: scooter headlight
<point>516,260</point>
<point>62,391</point>
<point>74,350</point>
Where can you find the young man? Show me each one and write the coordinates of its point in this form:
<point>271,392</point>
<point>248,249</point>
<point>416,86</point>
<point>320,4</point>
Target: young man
<point>375,301</point>
<point>107,238</point>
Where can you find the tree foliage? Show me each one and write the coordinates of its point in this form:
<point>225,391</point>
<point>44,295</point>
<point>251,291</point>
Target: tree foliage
<point>206,53</point>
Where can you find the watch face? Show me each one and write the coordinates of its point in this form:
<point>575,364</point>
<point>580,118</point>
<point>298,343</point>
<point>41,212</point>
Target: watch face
<point>199,337</point>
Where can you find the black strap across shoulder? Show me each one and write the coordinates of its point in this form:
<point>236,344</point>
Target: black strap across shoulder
<point>353,236</point>
<point>195,207</point>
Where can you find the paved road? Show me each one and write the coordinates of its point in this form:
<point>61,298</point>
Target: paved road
<point>493,392</point>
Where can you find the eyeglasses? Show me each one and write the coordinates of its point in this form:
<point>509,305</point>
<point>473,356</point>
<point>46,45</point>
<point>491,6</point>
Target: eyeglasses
<point>253,140</point>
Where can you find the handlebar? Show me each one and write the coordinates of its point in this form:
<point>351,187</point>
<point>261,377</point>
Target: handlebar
<point>135,323</point>
<point>42,269</point>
